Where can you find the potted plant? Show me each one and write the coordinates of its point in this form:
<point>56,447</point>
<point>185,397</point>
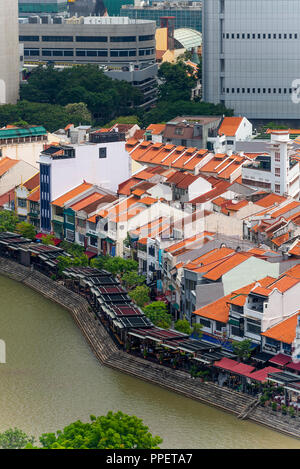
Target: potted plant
<point>283,409</point>
<point>274,406</point>
<point>292,412</point>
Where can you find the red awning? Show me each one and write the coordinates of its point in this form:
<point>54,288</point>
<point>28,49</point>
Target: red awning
<point>234,366</point>
<point>262,375</point>
<point>90,254</point>
<point>280,359</point>
<point>293,366</point>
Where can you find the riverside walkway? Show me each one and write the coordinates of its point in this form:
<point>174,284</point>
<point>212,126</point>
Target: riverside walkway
<point>108,353</point>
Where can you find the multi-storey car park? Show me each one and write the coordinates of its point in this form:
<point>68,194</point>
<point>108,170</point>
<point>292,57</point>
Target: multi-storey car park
<point>251,56</point>
<point>124,48</point>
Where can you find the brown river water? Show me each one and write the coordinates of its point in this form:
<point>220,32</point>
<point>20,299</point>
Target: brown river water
<point>51,378</point>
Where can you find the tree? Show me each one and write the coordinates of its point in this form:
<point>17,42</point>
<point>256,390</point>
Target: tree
<point>104,97</point>
<point>113,431</point>
<point>158,314</point>
<point>242,349</point>
<point>26,229</point>
<point>132,279</point>
<point>8,220</point>
<point>13,438</point>
<point>197,329</point>
<point>48,240</point>
<point>64,262</point>
<point>115,265</point>
<point>72,248</point>
<point>140,295</point>
<point>178,81</point>
<point>183,325</point>
<point>79,111</point>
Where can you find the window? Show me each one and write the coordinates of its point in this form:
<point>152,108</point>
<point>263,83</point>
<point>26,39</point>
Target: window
<point>91,38</point>
<point>70,219</point>
<point>122,52</point>
<point>277,172</point>
<point>277,156</point>
<point>29,38</point>
<point>123,39</point>
<point>22,203</point>
<point>102,152</point>
<point>57,38</point>
<point>253,327</point>
<point>205,322</point>
<point>277,188</point>
<point>148,37</point>
<point>91,52</point>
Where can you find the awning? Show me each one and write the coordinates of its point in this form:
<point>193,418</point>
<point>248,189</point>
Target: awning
<point>234,366</point>
<point>262,375</point>
<point>293,366</point>
<point>280,359</point>
<point>90,254</point>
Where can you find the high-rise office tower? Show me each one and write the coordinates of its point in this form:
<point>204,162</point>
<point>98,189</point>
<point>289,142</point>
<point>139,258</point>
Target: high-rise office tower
<point>251,56</point>
<point>9,51</point>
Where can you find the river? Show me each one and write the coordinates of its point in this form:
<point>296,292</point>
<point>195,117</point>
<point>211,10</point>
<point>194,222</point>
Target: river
<point>51,378</point>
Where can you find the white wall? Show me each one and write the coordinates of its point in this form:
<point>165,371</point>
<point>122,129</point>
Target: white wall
<point>106,172</point>
<point>19,173</point>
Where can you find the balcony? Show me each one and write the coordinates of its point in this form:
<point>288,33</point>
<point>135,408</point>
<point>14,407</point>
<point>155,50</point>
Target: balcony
<point>58,218</point>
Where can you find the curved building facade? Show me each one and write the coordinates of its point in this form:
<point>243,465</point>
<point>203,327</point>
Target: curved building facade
<point>9,52</point>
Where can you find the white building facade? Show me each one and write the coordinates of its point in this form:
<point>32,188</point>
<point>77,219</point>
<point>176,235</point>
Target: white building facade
<point>250,56</point>
<point>103,161</point>
<point>9,52</point>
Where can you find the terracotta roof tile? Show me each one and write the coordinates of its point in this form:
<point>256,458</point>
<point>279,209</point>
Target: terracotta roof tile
<point>230,125</point>
<point>285,331</point>
<point>63,199</point>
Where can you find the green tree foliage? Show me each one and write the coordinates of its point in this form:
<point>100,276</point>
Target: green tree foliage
<point>8,220</point>
<point>48,240</point>
<point>72,248</point>
<point>78,111</point>
<point>197,329</point>
<point>115,265</point>
<point>242,349</point>
<point>132,279</point>
<point>26,229</point>
<point>51,116</point>
<point>183,325</point>
<point>178,81</point>
<point>13,438</point>
<point>140,295</point>
<point>158,314</point>
<point>122,120</point>
<point>105,98</point>
<point>113,431</point>
<point>64,262</point>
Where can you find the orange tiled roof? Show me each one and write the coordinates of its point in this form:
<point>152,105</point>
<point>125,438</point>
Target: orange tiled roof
<point>281,239</point>
<point>286,208</point>
<point>63,199</point>
<point>295,251</point>
<point>226,266</point>
<point>156,129</point>
<point>6,164</point>
<point>270,200</point>
<point>87,201</point>
<point>218,310</point>
<point>285,331</point>
<point>34,196</point>
<point>33,182</point>
<point>230,125</point>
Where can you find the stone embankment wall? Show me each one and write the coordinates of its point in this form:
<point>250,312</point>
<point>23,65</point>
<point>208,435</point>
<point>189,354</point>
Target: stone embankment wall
<point>110,355</point>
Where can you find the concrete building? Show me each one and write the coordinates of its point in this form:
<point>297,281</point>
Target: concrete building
<point>123,48</point>
<point>250,56</point>
<point>9,52</point>
<point>275,171</point>
<point>102,161</point>
<point>186,15</point>
<point>33,7</point>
